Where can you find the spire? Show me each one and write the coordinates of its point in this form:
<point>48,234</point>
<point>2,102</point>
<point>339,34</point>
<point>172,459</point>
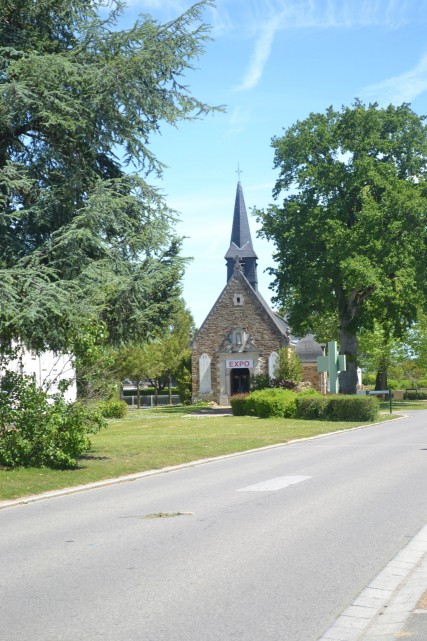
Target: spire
<point>241,242</point>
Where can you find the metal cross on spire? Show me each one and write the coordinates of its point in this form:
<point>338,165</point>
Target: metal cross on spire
<point>238,171</point>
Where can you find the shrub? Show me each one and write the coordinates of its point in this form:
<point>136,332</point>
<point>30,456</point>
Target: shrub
<point>308,391</point>
<point>394,383</point>
<point>41,431</point>
<point>415,395</point>
<point>338,408</point>
<point>283,384</point>
<point>260,381</point>
<point>368,379</point>
<point>311,406</point>
<point>113,408</point>
<point>352,408</point>
<point>288,366</point>
<point>184,380</point>
<point>239,404</point>
<point>271,403</point>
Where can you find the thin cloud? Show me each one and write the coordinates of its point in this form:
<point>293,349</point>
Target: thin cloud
<point>319,15</point>
<point>238,121</point>
<point>260,55</point>
<point>403,88</point>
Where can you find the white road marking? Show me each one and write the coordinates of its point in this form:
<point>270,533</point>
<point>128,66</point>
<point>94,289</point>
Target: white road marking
<point>274,484</point>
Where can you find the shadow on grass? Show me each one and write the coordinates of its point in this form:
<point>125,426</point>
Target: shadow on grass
<point>404,405</point>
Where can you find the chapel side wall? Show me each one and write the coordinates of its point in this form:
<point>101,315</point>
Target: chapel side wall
<point>226,315</point>
<point>311,375</point>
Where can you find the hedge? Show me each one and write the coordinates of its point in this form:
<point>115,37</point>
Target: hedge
<point>268,403</point>
<point>338,408</point>
<point>413,395</point>
<point>273,403</point>
<point>239,404</point>
<point>280,403</point>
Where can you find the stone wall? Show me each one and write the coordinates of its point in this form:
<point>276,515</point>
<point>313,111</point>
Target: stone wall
<point>311,375</point>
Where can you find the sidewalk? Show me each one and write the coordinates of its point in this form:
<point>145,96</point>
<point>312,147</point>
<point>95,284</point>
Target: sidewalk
<point>394,605</point>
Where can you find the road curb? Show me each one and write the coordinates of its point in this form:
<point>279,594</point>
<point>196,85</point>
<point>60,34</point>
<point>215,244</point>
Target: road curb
<point>381,610</point>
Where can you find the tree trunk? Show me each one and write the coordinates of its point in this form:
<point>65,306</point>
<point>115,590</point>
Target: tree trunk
<point>381,379</point>
<point>138,395</point>
<point>170,390</point>
<point>348,346</point>
<point>156,401</point>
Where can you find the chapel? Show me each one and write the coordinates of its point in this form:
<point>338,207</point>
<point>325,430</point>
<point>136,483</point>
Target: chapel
<point>241,334</point>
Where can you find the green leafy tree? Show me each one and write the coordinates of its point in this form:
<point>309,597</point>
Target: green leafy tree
<point>155,366</point>
<point>417,343</point>
<point>183,377</point>
<point>380,353</point>
<point>175,345</point>
<point>288,366</point>
<point>350,232</point>
<point>139,362</point>
<point>83,234</point>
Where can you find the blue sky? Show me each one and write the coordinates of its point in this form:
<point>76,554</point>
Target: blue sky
<point>271,63</point>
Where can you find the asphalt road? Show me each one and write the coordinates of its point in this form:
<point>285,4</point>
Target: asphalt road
<point>271,545</point>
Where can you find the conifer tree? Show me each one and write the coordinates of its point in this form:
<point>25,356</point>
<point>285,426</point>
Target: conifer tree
<point>84,236</point>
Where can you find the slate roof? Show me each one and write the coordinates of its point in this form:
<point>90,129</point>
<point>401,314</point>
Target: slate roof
<point>279,322</point>
<point>241,241</point>
<point>308,349</point>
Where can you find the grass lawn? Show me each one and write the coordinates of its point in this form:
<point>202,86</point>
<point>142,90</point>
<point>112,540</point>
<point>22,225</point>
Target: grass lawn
<point>152,439</point>
<point>401,406</point>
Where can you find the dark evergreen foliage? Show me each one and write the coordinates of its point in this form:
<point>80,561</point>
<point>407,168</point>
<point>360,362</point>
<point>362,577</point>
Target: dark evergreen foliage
<point>83,235</point>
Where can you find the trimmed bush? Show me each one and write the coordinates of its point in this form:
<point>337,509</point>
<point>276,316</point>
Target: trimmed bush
<point>238,404</point>
<point>113,408</point>
<point>352,408</point>
<point>274,403</point>
<point>338,408</point>
<point>312,407</point>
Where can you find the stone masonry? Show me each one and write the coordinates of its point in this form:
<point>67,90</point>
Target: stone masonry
<point>240,309</point>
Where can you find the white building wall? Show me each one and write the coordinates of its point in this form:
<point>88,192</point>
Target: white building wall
<point>48,369</point>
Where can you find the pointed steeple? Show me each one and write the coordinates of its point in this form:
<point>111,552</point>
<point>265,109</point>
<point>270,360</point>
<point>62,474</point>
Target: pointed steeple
<point>241,242</point>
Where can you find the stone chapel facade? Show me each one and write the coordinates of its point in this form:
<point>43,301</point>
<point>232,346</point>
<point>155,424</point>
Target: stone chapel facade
<point>241,334</point>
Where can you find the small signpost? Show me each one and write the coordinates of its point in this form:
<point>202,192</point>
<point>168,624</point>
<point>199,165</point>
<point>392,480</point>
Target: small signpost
<point>333,363</point>
<point>382,392</point>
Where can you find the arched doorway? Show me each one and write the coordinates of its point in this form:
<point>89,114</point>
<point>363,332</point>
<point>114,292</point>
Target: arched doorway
<point>239,380</point>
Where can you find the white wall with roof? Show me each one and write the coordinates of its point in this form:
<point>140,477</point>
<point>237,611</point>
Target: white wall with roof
<point>48,370</point>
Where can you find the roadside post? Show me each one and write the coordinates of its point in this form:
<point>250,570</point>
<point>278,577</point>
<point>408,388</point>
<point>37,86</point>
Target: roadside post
<point>381,392</point>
